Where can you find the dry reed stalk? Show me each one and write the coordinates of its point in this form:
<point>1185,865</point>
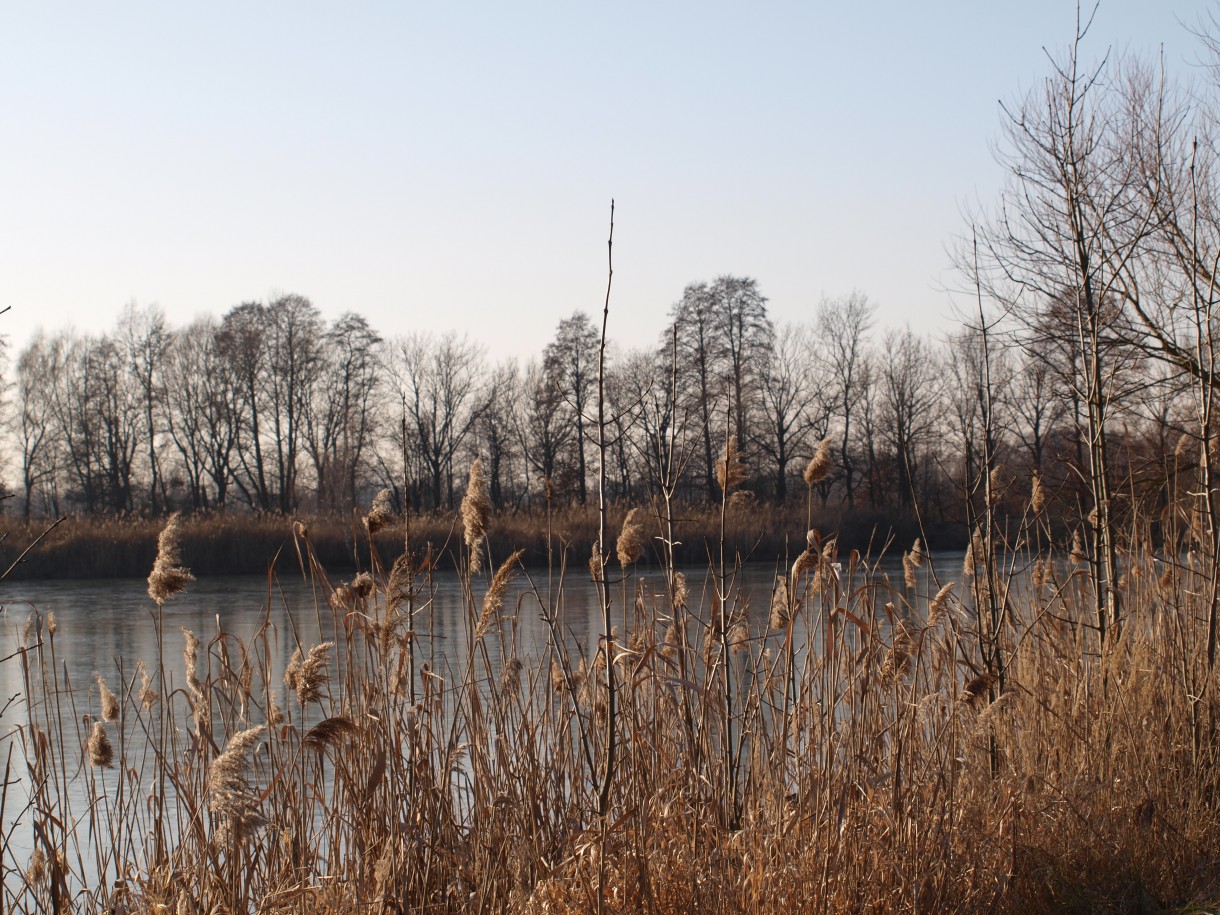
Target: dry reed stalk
<point>168,577</point>
<point>476,514</point>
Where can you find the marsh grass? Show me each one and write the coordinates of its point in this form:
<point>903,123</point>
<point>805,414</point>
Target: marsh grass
<point>867,761</point>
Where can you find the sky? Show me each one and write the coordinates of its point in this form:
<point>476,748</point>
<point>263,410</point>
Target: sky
<point>450,166</point>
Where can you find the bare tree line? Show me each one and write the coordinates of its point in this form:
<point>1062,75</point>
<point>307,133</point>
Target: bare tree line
<point>272,408</point>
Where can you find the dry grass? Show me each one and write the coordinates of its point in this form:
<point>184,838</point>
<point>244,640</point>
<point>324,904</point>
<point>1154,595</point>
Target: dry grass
<point>867,762</point>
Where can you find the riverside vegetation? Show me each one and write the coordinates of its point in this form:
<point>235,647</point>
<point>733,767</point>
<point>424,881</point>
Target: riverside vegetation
<point>1037,734</point>
<point>859,745</point>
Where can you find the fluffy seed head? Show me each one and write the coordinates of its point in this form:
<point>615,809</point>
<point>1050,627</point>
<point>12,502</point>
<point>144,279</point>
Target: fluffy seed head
<point>780,609</point>
<point>1037,494</point>
<point>168,577</point>
<point>476,514</point>
<point>109,701</point>
<point>939,605</point>
<point>730,471</point>
<point>818,468</point>
<point>1077,554</point>
<point>681,593</point>
<point>36,871</point>
<point>101,753</point>
<point>630,546</point>
<point>307,677</point>
<point>493,600</point>
<point>381,512</point>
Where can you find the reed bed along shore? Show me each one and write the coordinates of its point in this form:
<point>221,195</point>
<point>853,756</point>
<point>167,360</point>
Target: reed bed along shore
<point>239,543</point>
<point>961,746</point>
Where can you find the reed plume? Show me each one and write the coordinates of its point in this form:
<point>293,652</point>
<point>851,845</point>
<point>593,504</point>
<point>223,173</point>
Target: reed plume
<point>730,471</point>
<point>1037,494</point>
<point>1077,554</point>
<point>381,512</point>
<point>168,577</point>
<point>818,468</point>
<point>493,600</point>
<point>630,545</point>
<point>231,796</point>
<point>476,514</point>
<point>101,753</point>
<point>780,604</point>
<point>307,677</point>
<point>109,701</point>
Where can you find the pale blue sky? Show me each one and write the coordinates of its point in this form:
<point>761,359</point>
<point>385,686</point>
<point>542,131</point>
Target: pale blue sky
<point>440,166</point>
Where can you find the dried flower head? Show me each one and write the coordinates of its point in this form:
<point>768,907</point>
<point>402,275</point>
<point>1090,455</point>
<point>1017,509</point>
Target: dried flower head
<point>36,870</point>
<point>476,514</point>
<point>231,796</point>
<point>898,658</point>
<point>596,566</point>
<point>362,585</point>
<point>493,600</point>
<point>109,701</point>
<point>909,571</point>
<point>168,577</point>
<point>300,529</point>
<point>148,695</point>
<point>681,592</point>
<point>190,658</point>
<point>939,605</point>
<point>996,484</point>
<point>381,512</point>
<point>818,468</point>
<point>781,610</point>
<point>1037,494</point>
<point>1077,554</point>
<point>510,675</point>
<point>307,677</point>
<point>917,554</point>
<point>730,471</point>
<point>630,546</point>
<point>101,753</point>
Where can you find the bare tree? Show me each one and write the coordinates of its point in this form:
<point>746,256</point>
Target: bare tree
<point>145,339</point>
<point>843,326</point>
<point>571,362</point>
<point>439,381</point>
<point>908,392</point>
<point>40,369</point>
<point>342,411</point>
<point>793,401</point>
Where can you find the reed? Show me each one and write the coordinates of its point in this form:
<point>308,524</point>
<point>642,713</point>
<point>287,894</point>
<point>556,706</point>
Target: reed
<point>865,759</point>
